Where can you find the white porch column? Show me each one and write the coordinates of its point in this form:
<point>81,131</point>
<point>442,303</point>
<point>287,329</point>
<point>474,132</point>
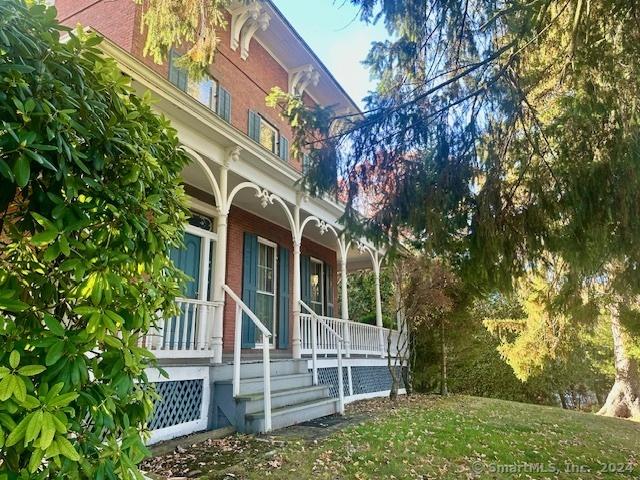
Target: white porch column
<point>376,271</point>
<point>220,272</point>
<point>344,310</point>
<point>218,282</point>
<point>296,341</point>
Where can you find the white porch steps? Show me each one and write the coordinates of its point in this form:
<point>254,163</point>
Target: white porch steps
<point>294,398</point>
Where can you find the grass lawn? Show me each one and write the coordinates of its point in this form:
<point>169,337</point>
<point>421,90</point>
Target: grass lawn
<point>453,438</point>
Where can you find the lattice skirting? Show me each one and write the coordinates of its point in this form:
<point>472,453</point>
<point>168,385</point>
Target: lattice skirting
<point>372,379</point>
<point>364,379</point>
<point>329,376</point>
<point>180,402</point>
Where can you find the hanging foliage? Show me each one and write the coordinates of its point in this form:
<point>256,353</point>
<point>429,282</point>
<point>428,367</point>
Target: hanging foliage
<point>196,23</point>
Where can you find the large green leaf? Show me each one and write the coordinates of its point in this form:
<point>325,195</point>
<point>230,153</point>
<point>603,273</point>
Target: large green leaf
<point>22,171</point>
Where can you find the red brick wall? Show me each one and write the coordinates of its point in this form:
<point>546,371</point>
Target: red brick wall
<point>115,19</point>
<point>241,221</point>
<point>248,81</point>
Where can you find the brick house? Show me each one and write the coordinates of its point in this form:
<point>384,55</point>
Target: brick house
<point>266,261</point>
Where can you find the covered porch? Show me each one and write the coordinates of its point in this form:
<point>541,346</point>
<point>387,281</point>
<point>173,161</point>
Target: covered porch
<point>260,335</point>
<point>285,258</point>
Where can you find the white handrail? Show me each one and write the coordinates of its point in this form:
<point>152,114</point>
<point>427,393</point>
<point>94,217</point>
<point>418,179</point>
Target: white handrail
<point>315,320</point>
<point>264,330</point>
<point>266,361</point>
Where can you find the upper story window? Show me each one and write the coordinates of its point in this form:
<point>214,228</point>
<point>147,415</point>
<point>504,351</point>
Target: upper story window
<point>306,163</point>
<point>268,136</point>
<point>206,90</point>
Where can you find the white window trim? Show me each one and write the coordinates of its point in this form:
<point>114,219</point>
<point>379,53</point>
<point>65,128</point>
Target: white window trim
<point>320,283</point>
<point>274,294</point>
<point>202,208</point>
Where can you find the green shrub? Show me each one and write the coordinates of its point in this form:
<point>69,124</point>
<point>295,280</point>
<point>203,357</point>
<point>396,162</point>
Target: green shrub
<point>90,204</point>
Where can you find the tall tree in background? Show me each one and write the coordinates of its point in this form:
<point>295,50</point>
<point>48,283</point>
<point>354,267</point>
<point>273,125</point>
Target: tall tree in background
<point>503,134</point>
<point>430,295</point>
<point>564,354</point>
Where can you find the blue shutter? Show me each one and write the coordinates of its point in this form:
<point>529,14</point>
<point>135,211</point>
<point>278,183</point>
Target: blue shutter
<point>224,104</point>
<point>283,297</point>
<point>254,126</point>
<point>305,279</point>
<point>177,75</point>
<point>328,274</point>
<point>284,148</point>
<point>249,287</point>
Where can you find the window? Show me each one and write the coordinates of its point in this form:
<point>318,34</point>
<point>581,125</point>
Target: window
<point>205,91</point>
<point>268,136</point>
<point>306,163</point>
<point>201,221</point>
<point>266,291</point>
<point>317,286</point>
<point>330,290</point>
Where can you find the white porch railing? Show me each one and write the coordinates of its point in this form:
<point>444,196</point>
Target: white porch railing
<point>323,329</point>
<point>184,334</point>
<point>365,339</point>
<point>237,349</point>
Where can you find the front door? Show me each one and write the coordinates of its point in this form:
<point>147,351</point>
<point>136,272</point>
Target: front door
<point>187,259</point>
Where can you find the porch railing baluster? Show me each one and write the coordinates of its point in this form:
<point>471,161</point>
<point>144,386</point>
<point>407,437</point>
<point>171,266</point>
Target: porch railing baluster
<point>365,339</point>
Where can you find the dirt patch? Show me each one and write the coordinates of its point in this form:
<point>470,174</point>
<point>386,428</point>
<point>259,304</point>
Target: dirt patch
<point>213,458</point>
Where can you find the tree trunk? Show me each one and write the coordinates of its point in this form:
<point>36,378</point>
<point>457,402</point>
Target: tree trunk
<point>443,361</point>
<point>406,380</point>
<point>563,400</point>
<point>395,381</point>
<point>624,398</point>
<point>408,372</point>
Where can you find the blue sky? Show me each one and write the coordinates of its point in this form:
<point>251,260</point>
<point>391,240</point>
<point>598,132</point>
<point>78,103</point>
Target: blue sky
<point>333,30</point>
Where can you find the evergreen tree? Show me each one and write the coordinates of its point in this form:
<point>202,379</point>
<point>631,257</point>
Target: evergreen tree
<point>502,134</point>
